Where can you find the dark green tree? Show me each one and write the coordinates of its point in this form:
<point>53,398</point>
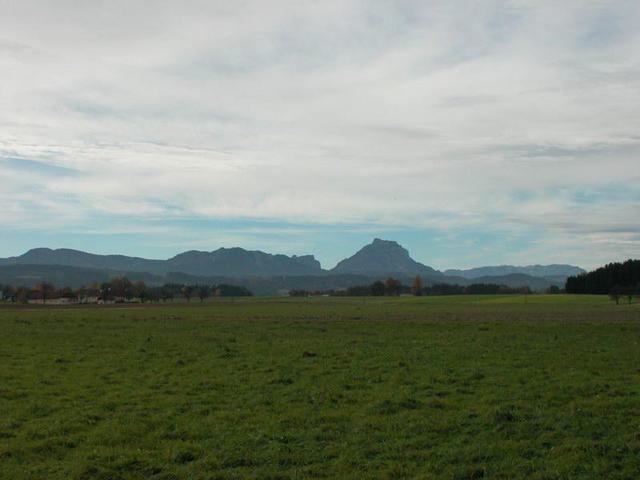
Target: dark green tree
<point>378,289</point>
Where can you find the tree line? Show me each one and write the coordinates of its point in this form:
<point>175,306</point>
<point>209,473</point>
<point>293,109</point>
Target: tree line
<point>621,279</point>
<point>394,287</point>
<point>119,289</point>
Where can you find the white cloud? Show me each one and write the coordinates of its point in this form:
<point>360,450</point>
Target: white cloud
<point>431,114</point>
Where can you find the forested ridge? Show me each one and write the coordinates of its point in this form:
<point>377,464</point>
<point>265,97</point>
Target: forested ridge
<point>604,279</point>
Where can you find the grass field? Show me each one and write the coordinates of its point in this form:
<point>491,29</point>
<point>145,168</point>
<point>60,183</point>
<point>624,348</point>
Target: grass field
<point>544,387</point>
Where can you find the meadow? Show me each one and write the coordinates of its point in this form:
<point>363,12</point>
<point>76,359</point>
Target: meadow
<point>496,387</point>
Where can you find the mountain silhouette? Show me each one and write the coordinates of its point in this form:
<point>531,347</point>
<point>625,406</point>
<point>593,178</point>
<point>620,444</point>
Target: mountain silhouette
<point>384,257</point>
<point>266,273</point>
<point>231,262</point>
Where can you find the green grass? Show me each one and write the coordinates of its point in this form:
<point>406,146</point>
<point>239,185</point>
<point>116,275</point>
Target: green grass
<point>544,387</point>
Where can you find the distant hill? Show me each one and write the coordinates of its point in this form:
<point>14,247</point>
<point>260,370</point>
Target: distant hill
<point>238,262</point>
<point>384,257</point>
<point>66,276</point>
<point>515,280</point>
<point>263,273</point>
<point>75,277</point>
<point>543,271</point>
<point>76,258</point>
<point>224,261</point>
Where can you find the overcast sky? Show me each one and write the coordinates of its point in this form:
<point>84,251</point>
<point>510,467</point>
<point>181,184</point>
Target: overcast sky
<point>473,133</point>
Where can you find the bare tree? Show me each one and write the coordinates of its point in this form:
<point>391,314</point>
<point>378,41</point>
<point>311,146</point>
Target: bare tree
<point>46,291</point>
<point>187,292</point>
<point>615,294</point>
<point>203,292</point>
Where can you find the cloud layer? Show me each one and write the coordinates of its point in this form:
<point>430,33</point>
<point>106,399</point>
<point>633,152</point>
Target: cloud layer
<point>460,118</point>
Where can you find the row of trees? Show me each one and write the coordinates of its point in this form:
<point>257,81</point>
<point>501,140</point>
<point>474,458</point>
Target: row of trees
<point>604,279</point>
<point>391,287</point>
<point>474,289</point>
<point>44,291</point>
<point>120,290</point>
<point>394,287</point>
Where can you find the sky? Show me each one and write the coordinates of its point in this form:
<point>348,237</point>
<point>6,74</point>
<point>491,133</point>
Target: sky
<point>471,132</point>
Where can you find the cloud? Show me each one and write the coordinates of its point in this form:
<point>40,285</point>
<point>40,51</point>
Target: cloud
<point>394,114</point>
<point>33,167</point>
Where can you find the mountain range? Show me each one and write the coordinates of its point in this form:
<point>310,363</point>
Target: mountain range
<point>533,270</point>
<point>265,273</point>
<point>231,262</point>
